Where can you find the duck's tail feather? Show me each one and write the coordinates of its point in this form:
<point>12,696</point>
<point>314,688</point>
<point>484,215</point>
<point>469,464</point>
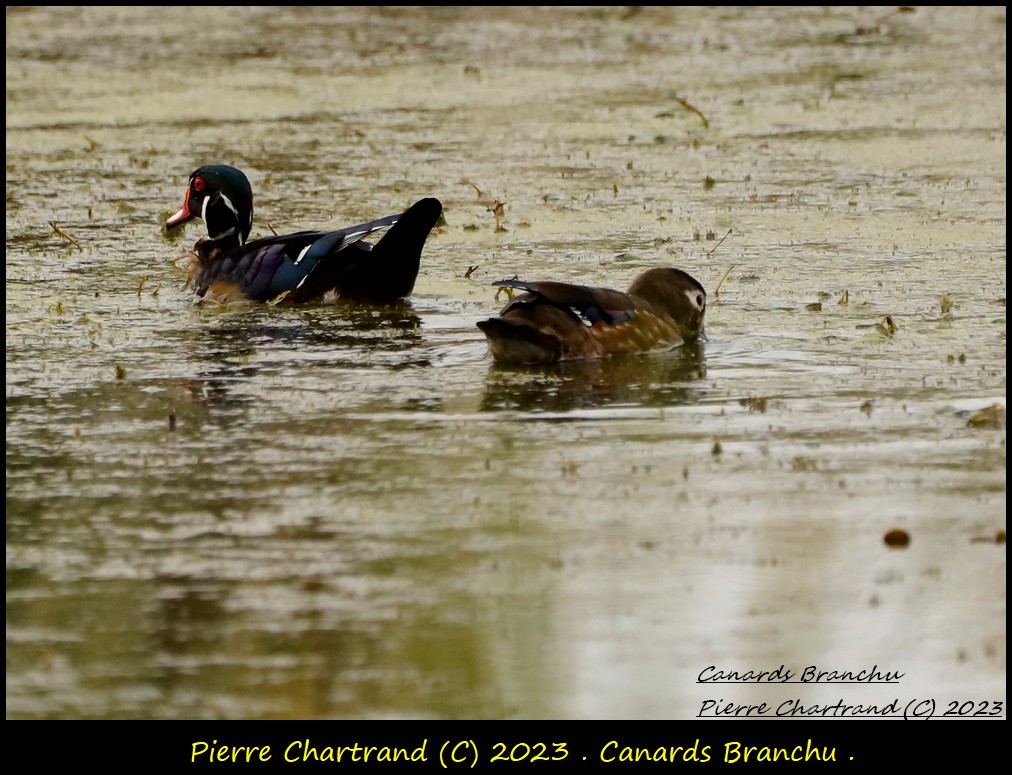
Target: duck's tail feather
<point>389,270</point>
<point>518,343</point>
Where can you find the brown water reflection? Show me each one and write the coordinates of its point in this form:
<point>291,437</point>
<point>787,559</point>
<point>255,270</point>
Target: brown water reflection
<point>656,379</point>
<point>338,512</point>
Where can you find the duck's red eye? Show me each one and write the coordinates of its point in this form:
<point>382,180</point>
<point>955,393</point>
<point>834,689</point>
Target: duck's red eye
<point>198,184</point>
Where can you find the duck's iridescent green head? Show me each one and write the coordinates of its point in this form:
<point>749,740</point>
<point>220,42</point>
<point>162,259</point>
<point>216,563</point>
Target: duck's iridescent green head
<point>223,198</point>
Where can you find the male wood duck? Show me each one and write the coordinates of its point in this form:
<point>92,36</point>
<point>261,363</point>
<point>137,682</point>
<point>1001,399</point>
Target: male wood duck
<point>300,267</point>
<point>555,321</point>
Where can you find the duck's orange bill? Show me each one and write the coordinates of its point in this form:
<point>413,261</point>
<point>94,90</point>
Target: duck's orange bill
<point>183,215</point>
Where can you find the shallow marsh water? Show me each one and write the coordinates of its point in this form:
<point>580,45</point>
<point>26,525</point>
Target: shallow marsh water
<point>356,515</point>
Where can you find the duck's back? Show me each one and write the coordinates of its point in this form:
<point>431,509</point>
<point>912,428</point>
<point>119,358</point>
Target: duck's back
<point>555,321</point>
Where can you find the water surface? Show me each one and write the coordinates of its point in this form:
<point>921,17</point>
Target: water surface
<point>354,514</point>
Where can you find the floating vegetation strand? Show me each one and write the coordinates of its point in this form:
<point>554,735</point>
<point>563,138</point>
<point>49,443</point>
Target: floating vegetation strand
<point>58,232</point>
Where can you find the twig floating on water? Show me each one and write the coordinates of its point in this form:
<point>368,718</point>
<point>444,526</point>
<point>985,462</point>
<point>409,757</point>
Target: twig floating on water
<point>692,108</point>
<point>710,253</point>
<point>716,291</point>
<point>496,208</point>
<point>58,232</point>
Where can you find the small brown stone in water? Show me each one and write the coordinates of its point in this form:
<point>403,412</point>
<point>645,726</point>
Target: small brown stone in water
<point>897,539</point>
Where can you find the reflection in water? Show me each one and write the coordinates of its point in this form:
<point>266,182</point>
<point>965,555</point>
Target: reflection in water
<point>254,341</point>
<point>654,379</point>
<point>341,511</point>
<point>334,329</point>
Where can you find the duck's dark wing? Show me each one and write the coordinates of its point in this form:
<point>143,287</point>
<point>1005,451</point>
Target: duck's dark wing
<point>591,305</point>
<point>264,269</point>
<point>308,264</point>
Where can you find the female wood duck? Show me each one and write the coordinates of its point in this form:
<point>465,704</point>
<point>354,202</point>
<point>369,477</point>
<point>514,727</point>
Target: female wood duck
<point>300,267</point>
<point>555,321</point>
